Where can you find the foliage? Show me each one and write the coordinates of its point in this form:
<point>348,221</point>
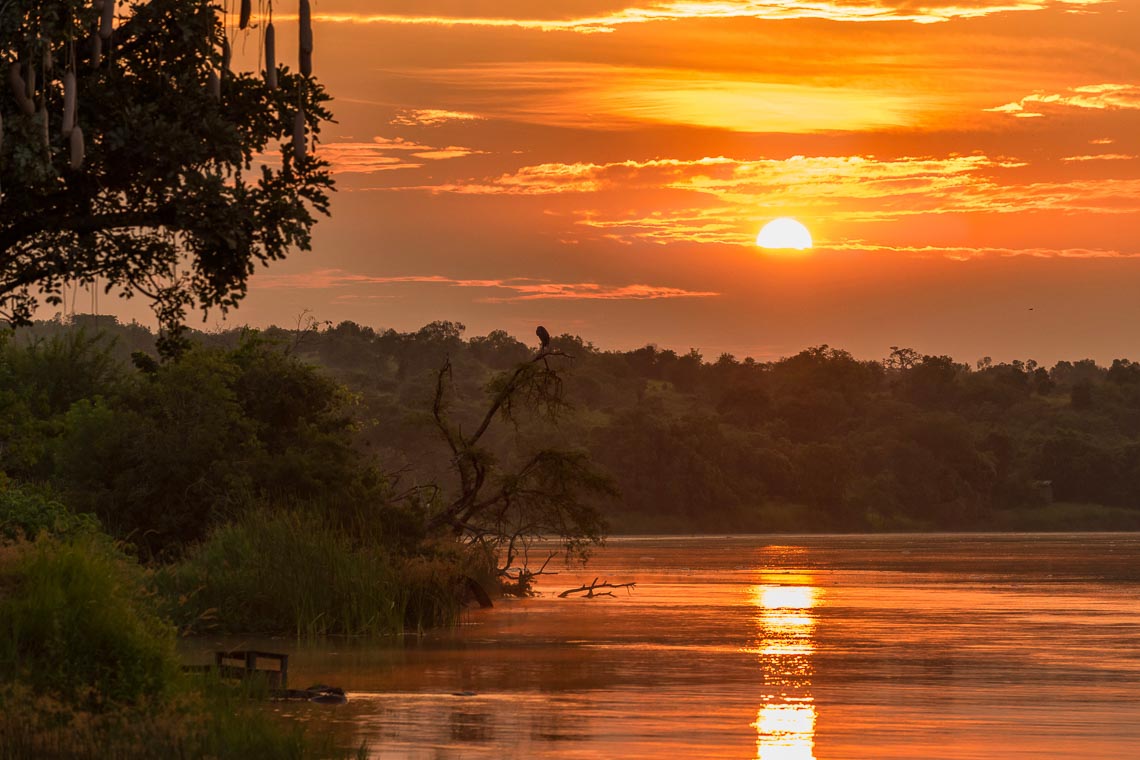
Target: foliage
<point>545,493</point>
<point>26,513</point>
<point>207,720</point>
<point>188,443</point>
<point>79,624</point>
<point>291,572</point>
<point>177,198</point>
<point>815,441</point>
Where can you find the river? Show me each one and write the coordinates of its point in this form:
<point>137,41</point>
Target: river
<point>776,648</point>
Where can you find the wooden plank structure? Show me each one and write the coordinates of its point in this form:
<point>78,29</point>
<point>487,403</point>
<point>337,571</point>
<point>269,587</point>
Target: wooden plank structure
<point>244,663</point>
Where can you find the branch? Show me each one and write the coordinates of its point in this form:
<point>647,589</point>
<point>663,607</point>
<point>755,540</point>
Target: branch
<point>591,590</point>
<point>33,225</point>
<point>508,389</point>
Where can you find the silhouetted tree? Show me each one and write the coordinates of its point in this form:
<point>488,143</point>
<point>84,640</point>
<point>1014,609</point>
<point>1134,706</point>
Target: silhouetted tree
<point>132,160</point>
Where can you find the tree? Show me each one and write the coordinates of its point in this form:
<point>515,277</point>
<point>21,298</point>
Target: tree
<point>546,493</point>
<point>133,160</point>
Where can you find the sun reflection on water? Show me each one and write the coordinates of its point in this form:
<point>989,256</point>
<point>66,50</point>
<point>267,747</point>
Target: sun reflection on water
<point>785,722</point>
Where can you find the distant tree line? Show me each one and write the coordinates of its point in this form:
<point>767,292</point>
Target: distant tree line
<point>817,441</point>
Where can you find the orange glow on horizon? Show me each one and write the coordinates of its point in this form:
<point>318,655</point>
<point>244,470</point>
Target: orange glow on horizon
<point>607,165</point>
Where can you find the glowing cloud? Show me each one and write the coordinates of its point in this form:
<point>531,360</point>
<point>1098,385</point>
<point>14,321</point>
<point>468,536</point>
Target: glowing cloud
<point>385,154</point>
<point>681,10</point>
<point>520,288</point>
<point>430,117</point>
<point>719,200</point>
<point>1095,97</point>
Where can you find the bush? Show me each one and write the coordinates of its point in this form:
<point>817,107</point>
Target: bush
<point>292,572</point>
<point>212,721</point>
<point>25,513</point>
<point>79,624</point>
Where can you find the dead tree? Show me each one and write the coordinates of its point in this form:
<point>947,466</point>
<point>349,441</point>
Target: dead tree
<point>592,590</point>
<point>549,494</point>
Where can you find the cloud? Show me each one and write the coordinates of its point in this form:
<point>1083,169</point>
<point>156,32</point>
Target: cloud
<point>430,117</point>
<point>385,154</point>
<point>517,288</point>
<point>1092,97</point>
<point>1102,157</point>
<point>960,253</point>
<point>722,200</point>
<point>823,178</point>
<point>681,10</point>
<point>750,96</point>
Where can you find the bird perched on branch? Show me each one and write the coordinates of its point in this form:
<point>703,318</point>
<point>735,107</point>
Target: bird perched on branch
<point>543,337</point>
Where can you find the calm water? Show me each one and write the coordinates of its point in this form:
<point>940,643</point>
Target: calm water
<point>778,648</point>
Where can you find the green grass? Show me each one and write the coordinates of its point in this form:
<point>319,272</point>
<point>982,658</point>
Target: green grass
<point>77,621</point>
<point>88,668</point>
<point>1067,516</point>
<point>291,572</point>
<point>207,721</point>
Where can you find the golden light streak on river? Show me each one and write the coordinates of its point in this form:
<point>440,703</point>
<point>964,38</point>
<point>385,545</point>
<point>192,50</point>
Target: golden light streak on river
<point>785,722</point>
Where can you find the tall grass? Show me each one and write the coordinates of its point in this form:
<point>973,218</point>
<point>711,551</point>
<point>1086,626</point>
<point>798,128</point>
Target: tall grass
<point>77,621</point>
<point>293,572</point>
<point>88,668</point>
<point>208,722</point>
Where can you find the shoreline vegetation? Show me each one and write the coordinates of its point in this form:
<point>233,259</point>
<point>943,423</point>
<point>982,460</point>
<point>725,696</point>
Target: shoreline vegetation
<point>284,482</point>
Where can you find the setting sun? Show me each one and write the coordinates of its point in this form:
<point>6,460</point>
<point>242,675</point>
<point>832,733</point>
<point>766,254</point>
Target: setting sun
<point>784,232</point>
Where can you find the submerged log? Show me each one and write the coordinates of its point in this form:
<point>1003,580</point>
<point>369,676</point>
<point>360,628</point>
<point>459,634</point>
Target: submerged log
<point>592,590</point>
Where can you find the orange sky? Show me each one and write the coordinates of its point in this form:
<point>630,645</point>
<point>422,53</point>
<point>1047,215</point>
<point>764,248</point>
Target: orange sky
<point>969,169</point>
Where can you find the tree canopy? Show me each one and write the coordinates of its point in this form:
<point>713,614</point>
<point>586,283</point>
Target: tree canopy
<point>133,160</point>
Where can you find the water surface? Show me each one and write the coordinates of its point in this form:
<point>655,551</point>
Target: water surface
<point>777,648</point>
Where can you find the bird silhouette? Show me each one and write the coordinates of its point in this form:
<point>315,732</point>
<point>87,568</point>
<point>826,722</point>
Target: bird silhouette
<point>543,337</point>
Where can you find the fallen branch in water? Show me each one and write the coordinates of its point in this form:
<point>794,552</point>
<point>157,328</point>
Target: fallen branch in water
<point>592,590</point>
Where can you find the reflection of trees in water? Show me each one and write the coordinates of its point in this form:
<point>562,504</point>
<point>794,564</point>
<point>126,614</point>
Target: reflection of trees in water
<point>470,725</point>
<point>785,721</point>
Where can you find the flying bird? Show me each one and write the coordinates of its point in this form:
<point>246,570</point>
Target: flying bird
<point>543,337</point>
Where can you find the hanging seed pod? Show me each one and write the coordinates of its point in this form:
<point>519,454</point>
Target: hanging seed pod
<point>271,57</point>
<point>214,85</point>
<point>107,24</point>
<point>246,11</point>
<point>306,48</point>
<point>227,56</point>
<point>20,89</point>
<point>299,136</point>
<point>30,84</point>
<point>68,104</point>
<point>77,152</point>
<point>49,62</point>
<point>96,50</point>
<point>45,126</point>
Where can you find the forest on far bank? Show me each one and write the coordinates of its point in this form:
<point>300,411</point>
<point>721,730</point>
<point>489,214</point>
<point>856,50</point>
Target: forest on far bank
<point>817,441</point>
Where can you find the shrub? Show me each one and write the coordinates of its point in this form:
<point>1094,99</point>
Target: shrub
<point>79,624</point>
<point>25,513</point>
<point>294,572</point>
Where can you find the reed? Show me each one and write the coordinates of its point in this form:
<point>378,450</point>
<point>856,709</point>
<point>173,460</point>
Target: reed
<point>207,721</point>
<point>292,572</point>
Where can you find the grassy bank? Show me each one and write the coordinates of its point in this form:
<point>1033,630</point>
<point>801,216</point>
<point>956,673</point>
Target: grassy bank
<point>88,665</point>
<point>196,722</point>
<point>294,573</point>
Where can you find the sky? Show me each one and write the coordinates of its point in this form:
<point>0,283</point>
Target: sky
<point>969,171</point>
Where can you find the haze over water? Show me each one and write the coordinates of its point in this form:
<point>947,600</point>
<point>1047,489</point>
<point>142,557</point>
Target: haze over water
<point>777,648</point>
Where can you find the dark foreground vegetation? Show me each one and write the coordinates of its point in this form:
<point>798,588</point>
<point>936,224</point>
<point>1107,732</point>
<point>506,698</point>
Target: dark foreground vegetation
<point>344,481</point>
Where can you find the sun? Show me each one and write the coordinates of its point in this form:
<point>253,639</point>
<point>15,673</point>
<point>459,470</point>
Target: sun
<point>784,232</point>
